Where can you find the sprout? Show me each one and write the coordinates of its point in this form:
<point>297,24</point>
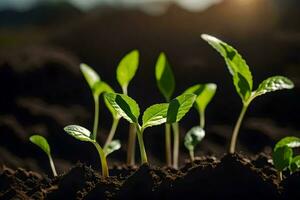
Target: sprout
<point>283,155</point>
<point>166,85</point>
<point>242,80</point>
<point>126,70</point>
<point>192,138</point>
<point>41,142</point>
<point>129,110</point>
<point>83,134</point>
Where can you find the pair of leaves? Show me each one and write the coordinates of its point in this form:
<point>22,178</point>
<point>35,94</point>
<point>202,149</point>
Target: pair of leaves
<point>41,142</point>
<point>154,115</point>
<point>127,68</point>
<point>194,136</point>
<point>204,92</point>
<point>241,74</point>
<point>164,77</point>
<point>83,134</point>
<point>283,154</point>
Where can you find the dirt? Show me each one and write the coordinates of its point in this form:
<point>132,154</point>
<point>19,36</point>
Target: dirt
<point>232,177</point>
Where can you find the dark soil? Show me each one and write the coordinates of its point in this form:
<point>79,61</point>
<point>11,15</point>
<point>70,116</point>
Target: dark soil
<point>232,177</point>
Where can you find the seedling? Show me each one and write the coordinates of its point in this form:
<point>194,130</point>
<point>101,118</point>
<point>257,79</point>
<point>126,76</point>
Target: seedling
<point>129,110</point>
<point>166,85</point>
<point>242,79</point>
<point>177,109</point>
<point>126,70</point>
<point>83,134</point>
<point>283,155</point>
<point>192,138</point>
<point>41,142</point>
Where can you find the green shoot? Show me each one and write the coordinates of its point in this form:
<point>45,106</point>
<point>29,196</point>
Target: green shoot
<point>126,70</point>
<point>177,109</point>
<point>41,142</point>
<point>83,134</point>
<point>242,80</point>
<point>129,110</point>
<point>166,84</point>
<point>205,93</point>
<point>192,138</point>
<point>283,155</point>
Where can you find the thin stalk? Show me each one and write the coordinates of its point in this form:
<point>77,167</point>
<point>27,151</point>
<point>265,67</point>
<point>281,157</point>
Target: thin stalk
<point>52,165</point>
<point>143,153</point>
<point>102,156</point>
<point>192,155</point>
<point>175,145</point>
<point>202,119</point>
<point>280,175</point>
<point>168,144</point>
<point>131,145</point>
<point>112,131</point>
<point>96,117</point>
<point>236,129</point>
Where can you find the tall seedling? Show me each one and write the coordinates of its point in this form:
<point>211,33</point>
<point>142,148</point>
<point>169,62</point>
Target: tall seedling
<point>129,110</point>
<point>126,70</point>
<point>166,84</point>
<point>242,79</point>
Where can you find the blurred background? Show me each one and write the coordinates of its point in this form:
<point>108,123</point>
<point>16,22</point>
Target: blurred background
<point>42,43</point>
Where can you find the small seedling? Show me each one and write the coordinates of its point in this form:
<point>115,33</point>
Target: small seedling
<point>177,109</point>
<point>129,110</point>
<point>166,84</point>
<point>242,79</point>
<point>205,93</point>
<point>192,138</point>
<point>126,70</point>
<point>41,142</point>
<point>283,155</point>
<point>83,134</point>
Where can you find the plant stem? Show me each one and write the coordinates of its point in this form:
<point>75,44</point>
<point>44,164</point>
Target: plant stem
<point>168,144</point>
<point>175,145</point>
<point>141,145</point>
<point>202,119</point>
<point>96,117</point>
<point>52,165</point>
<point>112,132</point>
<point>102,159</point>
<point>280,175</point>
<point>131,145</point>
<point>192,155</point>
<point>236,129</point>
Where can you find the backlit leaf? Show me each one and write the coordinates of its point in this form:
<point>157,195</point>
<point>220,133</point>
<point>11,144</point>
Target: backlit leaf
<point>41,142</point>
<point>112,146</point>
<point>193,137</point>
<point>155,115</point>
<point>79,132</point>
<point>282,157</point>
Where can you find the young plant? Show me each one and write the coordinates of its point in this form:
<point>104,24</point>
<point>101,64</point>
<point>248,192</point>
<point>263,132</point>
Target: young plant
<point>192,138</point>
<point>83,134</point>
<point>166,85</point>
<point>242,79</point>
<point>126,70</point>
<point>205,93</point>
<point>283,155</point>
<point>129,110</point>
<point>41,142</point>
<point>178,107</point>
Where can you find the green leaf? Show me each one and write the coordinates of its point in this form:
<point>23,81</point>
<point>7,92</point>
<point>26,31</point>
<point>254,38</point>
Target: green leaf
<point>204,92</point>
<point>155,115</point>
<point>127,68</point>
<point>291,142</point>
<point>295,164</point>
<point>79,132</point>
<point>237,66</point>
<point>112,146</point>
<point>124,106</point>
<point>179,106</point>
<point>164,77</point>
<point>282,157</point>
<point>41,142</point>
<point>90,75</point>
<point>273,84</point>
<point>193,137</point>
